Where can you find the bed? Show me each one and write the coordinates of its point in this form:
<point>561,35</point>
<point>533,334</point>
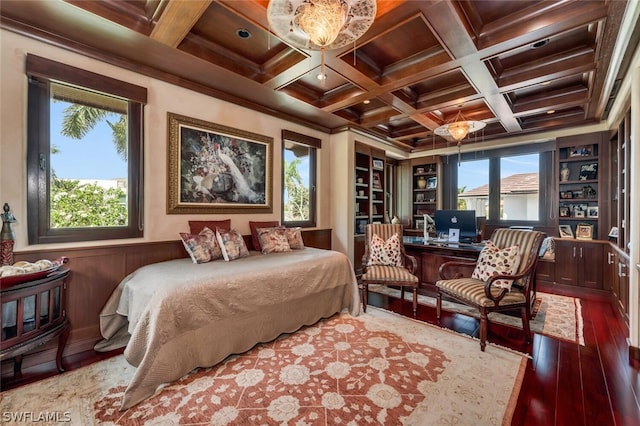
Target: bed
<point>175,316</point>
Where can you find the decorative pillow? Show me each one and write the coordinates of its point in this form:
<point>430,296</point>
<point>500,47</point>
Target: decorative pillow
<point>383,252</point>
<point>212,241</point>
<point>295,238</point>
<point>495,261</point>
<point>254,231</point>
<point>195,226</point>
<point>273,240</point>
<point>197,246</point>
<point>548,248</point>
<point>232,244</point>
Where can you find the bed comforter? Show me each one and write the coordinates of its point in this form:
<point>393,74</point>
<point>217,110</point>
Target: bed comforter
<point>175,316</point>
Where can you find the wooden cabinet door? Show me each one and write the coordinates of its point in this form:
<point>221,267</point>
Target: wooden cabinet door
<point>623,277</point>
<point>590,265</point>
<point>566,271</point>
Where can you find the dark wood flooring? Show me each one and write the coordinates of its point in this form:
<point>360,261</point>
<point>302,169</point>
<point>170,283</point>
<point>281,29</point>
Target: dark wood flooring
<point>564,384</point>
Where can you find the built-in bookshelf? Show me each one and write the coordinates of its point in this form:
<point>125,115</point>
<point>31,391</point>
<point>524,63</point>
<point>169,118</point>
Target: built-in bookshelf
<point>369,187</point>
<point>369,190</point>
<point>362,192</point>
<point>579,197</point>
<point>424,192</point>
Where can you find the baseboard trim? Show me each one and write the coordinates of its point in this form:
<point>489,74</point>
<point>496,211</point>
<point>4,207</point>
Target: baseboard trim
<point>47,355</point>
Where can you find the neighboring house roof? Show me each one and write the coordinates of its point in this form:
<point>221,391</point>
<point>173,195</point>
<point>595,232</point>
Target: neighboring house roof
<point>521,183</point>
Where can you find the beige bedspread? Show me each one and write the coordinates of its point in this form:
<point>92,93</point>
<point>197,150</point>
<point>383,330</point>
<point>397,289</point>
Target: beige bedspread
<point>175,316</point>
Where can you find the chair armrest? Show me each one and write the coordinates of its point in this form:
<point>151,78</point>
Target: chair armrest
<point>410,263</point>
<point>489,283</point>
<point>443,269</point>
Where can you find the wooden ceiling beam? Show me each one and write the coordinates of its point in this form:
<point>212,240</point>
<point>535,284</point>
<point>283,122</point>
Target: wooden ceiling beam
<point>447,21</point>
<point>177,19</point>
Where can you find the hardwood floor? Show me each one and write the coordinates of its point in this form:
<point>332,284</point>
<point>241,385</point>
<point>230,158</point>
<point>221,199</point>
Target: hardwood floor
<point>564,384</point>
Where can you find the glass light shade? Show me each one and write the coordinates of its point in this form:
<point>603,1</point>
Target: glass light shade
<point>322,20</point>
<point>458,130</point>
<point>320,24</point>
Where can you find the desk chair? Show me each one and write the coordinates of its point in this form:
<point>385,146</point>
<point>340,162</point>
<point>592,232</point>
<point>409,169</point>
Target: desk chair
<point>502,278</point>
<point>386,262</point>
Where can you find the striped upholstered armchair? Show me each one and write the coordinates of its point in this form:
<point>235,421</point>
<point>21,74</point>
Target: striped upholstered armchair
<point>386,262</point>
<point>502,278</point>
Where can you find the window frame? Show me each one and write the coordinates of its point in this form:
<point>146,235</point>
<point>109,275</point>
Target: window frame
<point>314,144</point>
<point>545,183</point>
<point>40,72</point>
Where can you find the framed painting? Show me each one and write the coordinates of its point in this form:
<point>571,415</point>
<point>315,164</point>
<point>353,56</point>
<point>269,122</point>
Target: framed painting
<point>217,169</point>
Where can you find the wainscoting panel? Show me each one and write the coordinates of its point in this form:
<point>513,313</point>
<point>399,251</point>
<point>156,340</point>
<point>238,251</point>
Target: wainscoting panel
<point>97,271</point>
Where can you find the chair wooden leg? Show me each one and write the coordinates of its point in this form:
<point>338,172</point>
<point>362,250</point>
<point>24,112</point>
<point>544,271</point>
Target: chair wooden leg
<point>415,301</point>
<point>365,290</point>
<point>438,304</point>
<point>483,329</point>
<point>525,324</point>
<point>402,292</point>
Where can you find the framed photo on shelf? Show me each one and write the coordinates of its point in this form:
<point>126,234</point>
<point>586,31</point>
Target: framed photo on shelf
<point>592,212</point>
<point>564,211</point>
<point>589,171</point>
<point>584,231</point>
<point>377,182</point>
<point>378,164</point>
<point>432,183</point>
<point>565,231</point>
<point>419,197</point>
<point>581,151</point>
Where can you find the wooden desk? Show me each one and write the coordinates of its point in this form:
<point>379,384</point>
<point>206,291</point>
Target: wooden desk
<point>430,256</point>
<point>32,314</point>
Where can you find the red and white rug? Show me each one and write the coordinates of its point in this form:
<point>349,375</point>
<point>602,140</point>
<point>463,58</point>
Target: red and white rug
<point>378,368</point>
<point>554,315</point>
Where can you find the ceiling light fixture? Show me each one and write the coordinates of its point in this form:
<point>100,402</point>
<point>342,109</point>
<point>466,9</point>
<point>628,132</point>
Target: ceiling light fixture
<point>458,128</point>
<point>320,24</point>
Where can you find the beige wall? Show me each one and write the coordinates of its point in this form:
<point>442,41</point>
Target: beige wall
<point>162,98</point>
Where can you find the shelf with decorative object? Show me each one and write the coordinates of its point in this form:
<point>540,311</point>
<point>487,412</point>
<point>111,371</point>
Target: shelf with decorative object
<point>424,184</point>
<point>579,182</point>
<point>370,203</point>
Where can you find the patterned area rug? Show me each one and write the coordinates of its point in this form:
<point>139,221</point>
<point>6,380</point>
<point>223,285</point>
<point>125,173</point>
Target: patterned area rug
<point>555,316</point>
<point>379,368</point>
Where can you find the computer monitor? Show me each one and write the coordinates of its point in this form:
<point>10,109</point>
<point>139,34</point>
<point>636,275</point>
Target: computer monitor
<point>464,220</point>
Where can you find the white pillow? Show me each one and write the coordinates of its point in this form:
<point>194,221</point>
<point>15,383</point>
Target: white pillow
<point>496,261</point>
<point>273,240</point>
<point>385,253</point>
<point>232,244</point>
<point>197,246</point>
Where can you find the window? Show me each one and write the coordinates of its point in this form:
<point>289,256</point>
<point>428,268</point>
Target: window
<point>299,179</point>
<point>84,159</point>
<point>520,187</point>
<point>505,186</point>
<point>473,186</point>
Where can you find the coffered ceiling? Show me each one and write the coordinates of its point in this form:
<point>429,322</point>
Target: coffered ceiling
<point>521,66</point>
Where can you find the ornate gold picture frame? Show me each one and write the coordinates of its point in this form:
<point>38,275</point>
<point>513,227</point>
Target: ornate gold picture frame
<point>217,169</point>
